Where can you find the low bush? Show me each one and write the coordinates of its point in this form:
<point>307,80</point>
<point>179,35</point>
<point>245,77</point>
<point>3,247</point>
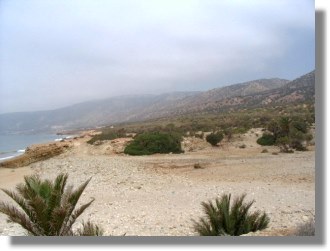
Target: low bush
<point>214,138</point>
<point>288,134</point>
<point>266,139</point>
<point>154,142</point>
<point>240,130</point>
<point>101,137</point>
<point>107,136</point>
<point>300,125</point>
<point>284,144</point>
<point>228,133</point>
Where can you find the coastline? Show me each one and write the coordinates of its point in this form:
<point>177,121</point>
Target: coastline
<point>12,146</point>
<point>37,152</point>
<point>159,195</point>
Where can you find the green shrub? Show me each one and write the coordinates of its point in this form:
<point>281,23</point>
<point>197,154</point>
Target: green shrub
<point>274,127</point>
<point>154,142</point>
<point>300,125</point>
<point>266,140</point>
<point>214,138</point>
<point>284,144</point>
<point>102,136</point>
<point>288,133</point>
<point>229,133</point>
<point>224,218</point>
<point>107,136</point>
<point>240,130</point>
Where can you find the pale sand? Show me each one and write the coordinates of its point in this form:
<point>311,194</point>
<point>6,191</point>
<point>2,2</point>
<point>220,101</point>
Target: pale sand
<point>159,195</point>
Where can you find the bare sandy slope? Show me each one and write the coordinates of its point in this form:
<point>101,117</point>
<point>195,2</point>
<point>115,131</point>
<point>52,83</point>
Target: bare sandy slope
<point>159,195</point>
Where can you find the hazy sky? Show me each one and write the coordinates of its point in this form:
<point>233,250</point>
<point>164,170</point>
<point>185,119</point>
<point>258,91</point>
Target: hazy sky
<point>57,53</point>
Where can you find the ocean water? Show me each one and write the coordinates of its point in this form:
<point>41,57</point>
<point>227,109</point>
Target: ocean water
<point>14,145</point>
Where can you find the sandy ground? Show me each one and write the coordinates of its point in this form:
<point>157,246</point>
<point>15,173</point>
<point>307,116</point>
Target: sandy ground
<point>159,195</point>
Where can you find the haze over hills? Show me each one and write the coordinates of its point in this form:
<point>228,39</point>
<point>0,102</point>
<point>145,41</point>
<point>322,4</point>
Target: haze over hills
<point>141,107</point>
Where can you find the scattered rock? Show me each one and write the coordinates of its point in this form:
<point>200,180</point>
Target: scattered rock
<point>198,166</point>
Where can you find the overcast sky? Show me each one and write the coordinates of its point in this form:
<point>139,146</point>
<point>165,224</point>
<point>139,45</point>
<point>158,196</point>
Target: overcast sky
<point>57,53</point>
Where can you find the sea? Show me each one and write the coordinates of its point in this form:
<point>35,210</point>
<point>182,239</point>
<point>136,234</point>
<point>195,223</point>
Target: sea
<point>12,145</point>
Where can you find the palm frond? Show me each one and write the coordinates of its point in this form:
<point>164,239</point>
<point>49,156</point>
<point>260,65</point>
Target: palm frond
<point>39,207</point>
<point>19,217</point>
<point>57,222</point>
<point>75,195</point>
<point>90,229</point>
<point>21,202</point>
<point>56,194</point>
<point>73,217</point>
<point>71,199</point>
<point>204,228</point>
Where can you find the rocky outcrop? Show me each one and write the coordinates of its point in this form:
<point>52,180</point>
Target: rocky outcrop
<point>37,153</point>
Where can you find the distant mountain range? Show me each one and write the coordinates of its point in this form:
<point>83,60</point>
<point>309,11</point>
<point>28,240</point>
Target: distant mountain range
<point>142,107</point>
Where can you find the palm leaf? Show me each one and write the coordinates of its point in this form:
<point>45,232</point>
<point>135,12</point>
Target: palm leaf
<point>57,222</point>
<point>90,229</point>
<point>73,217</point>
<point>56,194</point>
<point>72,199</point>
<point>19,217</point>
<point>39,206</point>
<point>21,202</point>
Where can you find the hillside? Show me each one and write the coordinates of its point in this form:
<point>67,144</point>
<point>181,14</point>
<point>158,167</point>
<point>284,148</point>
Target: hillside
<point>141,107</point>
<point>253,94</point>
<point>88,114</point>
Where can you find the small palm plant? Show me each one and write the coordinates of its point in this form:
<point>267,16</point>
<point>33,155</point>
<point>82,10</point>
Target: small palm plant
<point>222,218</point>
<point>48,208</point>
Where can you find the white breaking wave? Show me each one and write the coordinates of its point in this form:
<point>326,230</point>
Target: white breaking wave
<point>15,154</point>
<point>67,137</point>
<point>9,157</point>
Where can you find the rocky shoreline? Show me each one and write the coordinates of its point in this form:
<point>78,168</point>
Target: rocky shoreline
<point>35,153</point>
